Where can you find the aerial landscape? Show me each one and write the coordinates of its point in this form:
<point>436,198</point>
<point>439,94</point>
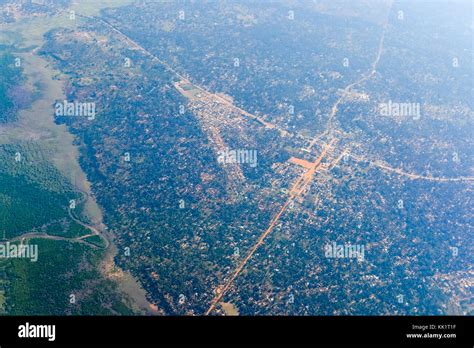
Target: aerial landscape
<point>223,158</point>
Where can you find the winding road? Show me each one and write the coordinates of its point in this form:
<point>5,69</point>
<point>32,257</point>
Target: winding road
<point>82,239</point>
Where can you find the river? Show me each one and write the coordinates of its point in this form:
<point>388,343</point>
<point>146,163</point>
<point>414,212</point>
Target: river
<point>36,123</point>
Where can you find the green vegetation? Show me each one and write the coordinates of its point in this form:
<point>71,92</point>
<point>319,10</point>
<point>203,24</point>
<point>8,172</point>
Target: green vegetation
<point>96,240</point>
<point>38,165</point>
<point>9,78</point>
<point>66,228</point>
<point>33,194</point>
<point>26,206</point>
<point>63,269</point>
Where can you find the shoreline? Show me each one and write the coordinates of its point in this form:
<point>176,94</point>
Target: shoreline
<point>36,123</point>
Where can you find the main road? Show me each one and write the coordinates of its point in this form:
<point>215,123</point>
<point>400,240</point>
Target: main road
<point>297,189</point>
